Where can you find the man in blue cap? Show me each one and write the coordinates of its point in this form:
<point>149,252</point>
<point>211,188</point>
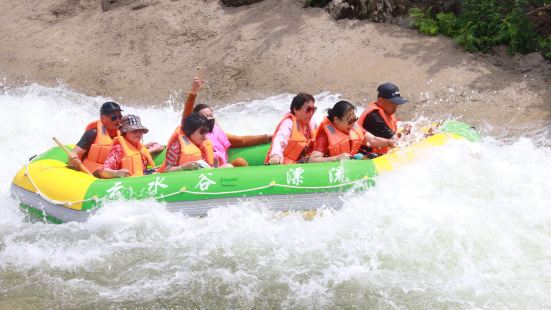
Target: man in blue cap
<point>379,119</point>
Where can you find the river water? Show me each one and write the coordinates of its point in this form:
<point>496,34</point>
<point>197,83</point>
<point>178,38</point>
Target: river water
<point>467,226</point>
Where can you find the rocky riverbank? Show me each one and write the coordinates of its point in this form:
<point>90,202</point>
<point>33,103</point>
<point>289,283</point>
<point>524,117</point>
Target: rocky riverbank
<point>143,51</point>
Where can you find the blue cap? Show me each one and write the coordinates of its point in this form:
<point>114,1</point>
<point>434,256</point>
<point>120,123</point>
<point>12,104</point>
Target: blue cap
<point>391,92</point>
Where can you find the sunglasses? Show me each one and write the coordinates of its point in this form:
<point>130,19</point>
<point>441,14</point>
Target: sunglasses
<point>115,117</point>
<point>352,121</point>
<point>203,131</point>
<point>311,110</point>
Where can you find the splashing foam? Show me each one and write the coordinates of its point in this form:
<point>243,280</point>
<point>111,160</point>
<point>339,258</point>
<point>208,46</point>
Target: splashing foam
<point>467,226</point>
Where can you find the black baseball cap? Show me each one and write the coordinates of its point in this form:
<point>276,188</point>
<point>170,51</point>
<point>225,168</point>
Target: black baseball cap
<point>109,108</point>
<point>391,92</point>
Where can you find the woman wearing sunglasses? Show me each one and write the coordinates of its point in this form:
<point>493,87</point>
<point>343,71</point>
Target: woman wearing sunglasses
<point>294,135</point>
<point>339,136</point>
<point>189,147</point>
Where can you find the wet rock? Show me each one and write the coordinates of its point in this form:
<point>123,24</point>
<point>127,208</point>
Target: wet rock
<point>238,2</point>
<point>393,11</point>
<point>386,10</point>
<point>134,5</point>
<point>541,18</point>
<point>530,63</point>
<point>107,5</point>
<point>339,9</point>
<point>62,10</point>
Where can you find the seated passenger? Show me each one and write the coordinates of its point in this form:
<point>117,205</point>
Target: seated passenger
<point>92,148</point>
<point>379,119</point>
<point>221,140</point>
<point>294,135</point>
<point>189,148</point>
<point>339,137</point>
<point>127,157</point>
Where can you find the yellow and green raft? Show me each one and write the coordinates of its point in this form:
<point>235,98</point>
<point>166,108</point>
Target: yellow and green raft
<point>46,188</point>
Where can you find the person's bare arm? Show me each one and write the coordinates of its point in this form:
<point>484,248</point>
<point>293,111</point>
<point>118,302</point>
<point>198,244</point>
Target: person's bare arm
<point>244,141</point>
<point>374,142</point>
<point>75,157</point>
<point>187,166</point>
<point>319,157</point>
<point>108,173</point>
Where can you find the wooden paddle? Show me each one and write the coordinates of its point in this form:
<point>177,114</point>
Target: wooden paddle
<point>81,166</point>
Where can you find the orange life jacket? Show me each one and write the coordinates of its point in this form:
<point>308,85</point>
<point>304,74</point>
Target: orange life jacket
<point>296,144</point>
<point>339,142</point>
<point>189,151</point>
<point>390,121</point>
<point>100,148</point>
<point>132,159</point>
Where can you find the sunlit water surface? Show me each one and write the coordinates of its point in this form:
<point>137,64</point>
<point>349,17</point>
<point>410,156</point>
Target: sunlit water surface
<point>467,226</point>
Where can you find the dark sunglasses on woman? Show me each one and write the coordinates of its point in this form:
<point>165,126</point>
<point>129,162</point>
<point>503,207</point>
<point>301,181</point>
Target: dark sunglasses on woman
<point>311,110</point>
<point>352,121</point>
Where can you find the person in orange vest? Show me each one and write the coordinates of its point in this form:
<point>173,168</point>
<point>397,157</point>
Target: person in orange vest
<point>190,146</point>
<point>339,137</point>
<point>128,156</point>
<point>92,148</point>
<point>293,137</point>
<point>379,117</point>
<point>221,140</point>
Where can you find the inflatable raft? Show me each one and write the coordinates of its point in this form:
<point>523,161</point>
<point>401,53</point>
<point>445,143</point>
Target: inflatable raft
<point>46,188</point>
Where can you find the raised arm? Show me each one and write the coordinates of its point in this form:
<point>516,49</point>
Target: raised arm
<point>191,95</point>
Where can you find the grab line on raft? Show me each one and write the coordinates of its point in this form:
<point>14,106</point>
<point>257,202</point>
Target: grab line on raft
<point>53,201</point>
<point>272,184</point>
<point>184,190</point>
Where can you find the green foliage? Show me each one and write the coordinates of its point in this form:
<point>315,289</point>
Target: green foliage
<point>483,24</point>
<point>518,31</point>
<point>479,26</point>
<point>447,23</point>
<point>545,47</point>
<point>539,3</point>
<point>423,22</point>
<point>316,3</point>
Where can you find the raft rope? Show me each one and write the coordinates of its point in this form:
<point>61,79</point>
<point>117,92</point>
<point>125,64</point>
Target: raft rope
<point>184,190</point>
<point>50,200</point>
<point>272,184</point>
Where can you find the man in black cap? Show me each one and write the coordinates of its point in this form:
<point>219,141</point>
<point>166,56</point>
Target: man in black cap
<point>94,145</point>
<point>379,119</point>
<point>92,148</point>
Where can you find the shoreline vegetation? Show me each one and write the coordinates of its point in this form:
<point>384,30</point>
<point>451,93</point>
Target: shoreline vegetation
<point>524,26</point>
<point>482,25</point>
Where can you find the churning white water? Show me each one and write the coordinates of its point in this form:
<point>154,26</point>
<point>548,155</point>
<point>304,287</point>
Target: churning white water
<point>467,226</point>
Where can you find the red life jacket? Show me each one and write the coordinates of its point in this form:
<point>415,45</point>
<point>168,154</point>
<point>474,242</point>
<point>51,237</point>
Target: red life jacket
<point>390,121</point>
<point>339,142</point>
<point>100,147</point>
<point>189,151</point>
<point>133,157</point>
<point>296,144</point>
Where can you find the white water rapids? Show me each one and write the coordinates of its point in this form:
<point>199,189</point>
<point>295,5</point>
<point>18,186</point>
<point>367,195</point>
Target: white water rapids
<point>467,226</point>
